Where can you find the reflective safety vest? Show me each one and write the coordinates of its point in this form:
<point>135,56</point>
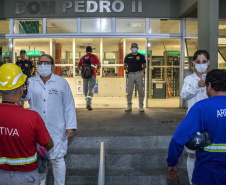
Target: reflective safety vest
<point>215,148</point>
<point>18,161</point>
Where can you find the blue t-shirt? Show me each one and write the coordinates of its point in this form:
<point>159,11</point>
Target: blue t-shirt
<point>208,115</point>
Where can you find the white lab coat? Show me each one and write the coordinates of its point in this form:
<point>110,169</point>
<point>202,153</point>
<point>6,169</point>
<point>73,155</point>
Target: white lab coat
<point>191,90</point>
<point>55,104</point>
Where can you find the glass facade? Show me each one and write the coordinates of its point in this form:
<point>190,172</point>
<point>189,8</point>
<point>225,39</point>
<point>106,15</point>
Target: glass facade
<point>61,25</point>
<point>28,26</point>
<point>4,26</point>
<point>111,40</point>
<point>164,26</point>
<point>191,27</point>
<point>6,51</point>
<point>130,25</point>
<point>95,25</point>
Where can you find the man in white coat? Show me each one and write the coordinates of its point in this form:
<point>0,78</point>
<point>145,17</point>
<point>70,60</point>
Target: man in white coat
<point>50,95</point>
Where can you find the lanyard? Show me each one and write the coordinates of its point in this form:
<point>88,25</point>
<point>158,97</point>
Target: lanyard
<point>10,102</point>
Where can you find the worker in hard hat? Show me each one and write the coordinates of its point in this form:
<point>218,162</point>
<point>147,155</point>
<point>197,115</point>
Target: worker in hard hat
<point>20,130</point>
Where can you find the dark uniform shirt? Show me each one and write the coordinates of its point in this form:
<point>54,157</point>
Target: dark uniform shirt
<point>134,62</point>
<point>25,66</point>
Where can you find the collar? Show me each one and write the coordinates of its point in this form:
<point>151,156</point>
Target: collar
<point>196,76</point>
<point>10,102</point>
<point>52,78</point>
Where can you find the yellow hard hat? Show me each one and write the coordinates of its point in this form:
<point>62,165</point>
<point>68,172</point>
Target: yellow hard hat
<point>11,77</point>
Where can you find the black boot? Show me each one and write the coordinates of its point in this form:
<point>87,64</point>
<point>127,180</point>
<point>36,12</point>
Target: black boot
<point>89,107</point>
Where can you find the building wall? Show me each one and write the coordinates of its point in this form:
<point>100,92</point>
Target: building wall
<point>57,9</point>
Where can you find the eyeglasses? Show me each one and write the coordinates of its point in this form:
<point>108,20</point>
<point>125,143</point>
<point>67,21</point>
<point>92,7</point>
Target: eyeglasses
<point>44,63</point>
<point>201,61</point>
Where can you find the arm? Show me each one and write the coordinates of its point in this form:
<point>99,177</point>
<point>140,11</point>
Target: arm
<point>32,70</point>
<point>42,134</point>
<point>98,66</point>
<point>191,124</point>
<point>143,63</point>
<point>190,88</point>
<point>143,66</point>
<point>79,66</point>
<point>28,96</point>
<point>69,111</point>
<point>125,66</point>
<point>49,145</point>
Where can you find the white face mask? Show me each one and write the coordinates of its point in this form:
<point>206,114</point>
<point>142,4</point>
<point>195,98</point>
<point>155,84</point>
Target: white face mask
<point>44,70</point>
<point>201,68</point>
<point>134,50</point>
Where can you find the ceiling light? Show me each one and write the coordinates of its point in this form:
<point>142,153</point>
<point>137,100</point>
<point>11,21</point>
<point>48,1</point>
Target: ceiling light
<point>222,27</point>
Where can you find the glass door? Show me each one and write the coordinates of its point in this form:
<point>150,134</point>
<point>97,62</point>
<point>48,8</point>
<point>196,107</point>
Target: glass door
<point>163,72</point>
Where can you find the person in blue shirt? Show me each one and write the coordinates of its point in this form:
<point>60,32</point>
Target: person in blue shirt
<point>206,115</point>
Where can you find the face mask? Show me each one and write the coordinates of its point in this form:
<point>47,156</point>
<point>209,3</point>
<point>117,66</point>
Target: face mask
<point>134,50</point>
<point>201,68</point>
<point>44,70</point>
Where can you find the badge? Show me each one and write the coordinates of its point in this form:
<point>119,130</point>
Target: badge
<point>53,91</point>
<point>138,58</point>
<point>26,65</point>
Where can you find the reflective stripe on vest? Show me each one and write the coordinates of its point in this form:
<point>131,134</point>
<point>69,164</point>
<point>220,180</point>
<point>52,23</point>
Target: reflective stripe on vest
<point>93,66</point>
<point>215,148</point>
<point>18,161</point>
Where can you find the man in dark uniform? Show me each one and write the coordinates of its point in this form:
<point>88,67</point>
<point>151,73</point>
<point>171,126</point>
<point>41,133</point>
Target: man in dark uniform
<point>25,65</point>
<point>134,64</point>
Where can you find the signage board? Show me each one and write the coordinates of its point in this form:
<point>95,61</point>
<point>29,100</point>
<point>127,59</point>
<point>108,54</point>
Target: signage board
<point>143,52</point>
<point>95,8</point>
<point>7,53</point>
<point>79,89</point>
<point>172,52</point>
<point>29,53</point>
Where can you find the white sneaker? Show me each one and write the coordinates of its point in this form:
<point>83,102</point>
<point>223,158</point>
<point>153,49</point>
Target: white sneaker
<point>141,110</point>
<point>129,109</point>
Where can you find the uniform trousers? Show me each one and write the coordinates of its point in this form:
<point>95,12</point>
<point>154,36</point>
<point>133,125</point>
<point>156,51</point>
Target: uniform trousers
<point>137,79</point>
<point>19,178</point>
<point>59,172</point>
<point>190,163</point>
<point>89,85</point>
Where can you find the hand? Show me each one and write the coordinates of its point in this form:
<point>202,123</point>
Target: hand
<point>173,173</point>
<point>69,133</point>
<point>26,86</point>
<point>201,83</point>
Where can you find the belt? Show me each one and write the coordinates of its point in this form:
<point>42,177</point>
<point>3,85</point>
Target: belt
<point>135,72</point>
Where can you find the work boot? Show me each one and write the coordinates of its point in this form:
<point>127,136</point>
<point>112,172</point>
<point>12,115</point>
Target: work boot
<point>89,107</point>
<point>141,109</point>
<point>129,109</point>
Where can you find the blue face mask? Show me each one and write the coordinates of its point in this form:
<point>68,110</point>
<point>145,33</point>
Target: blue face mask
<point>134,50</point>
<point>44,70</point>
<point>201,68</point>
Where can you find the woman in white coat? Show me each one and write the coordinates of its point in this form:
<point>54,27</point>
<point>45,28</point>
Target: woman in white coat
<point>193,91</point>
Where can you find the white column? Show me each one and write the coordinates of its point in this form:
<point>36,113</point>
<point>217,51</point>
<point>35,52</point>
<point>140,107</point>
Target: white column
<point>73,58</point>
<point>51,46</point>
<point>182,57</point>
<point>101,55</point>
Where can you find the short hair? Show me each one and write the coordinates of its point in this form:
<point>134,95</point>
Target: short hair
<point>22,51</point>
<point>134,44</point>
<point>217,78</point>
<point>9,92</point>
<point>46,55</point>
<point>89,49</point>
<point>201,52</point>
